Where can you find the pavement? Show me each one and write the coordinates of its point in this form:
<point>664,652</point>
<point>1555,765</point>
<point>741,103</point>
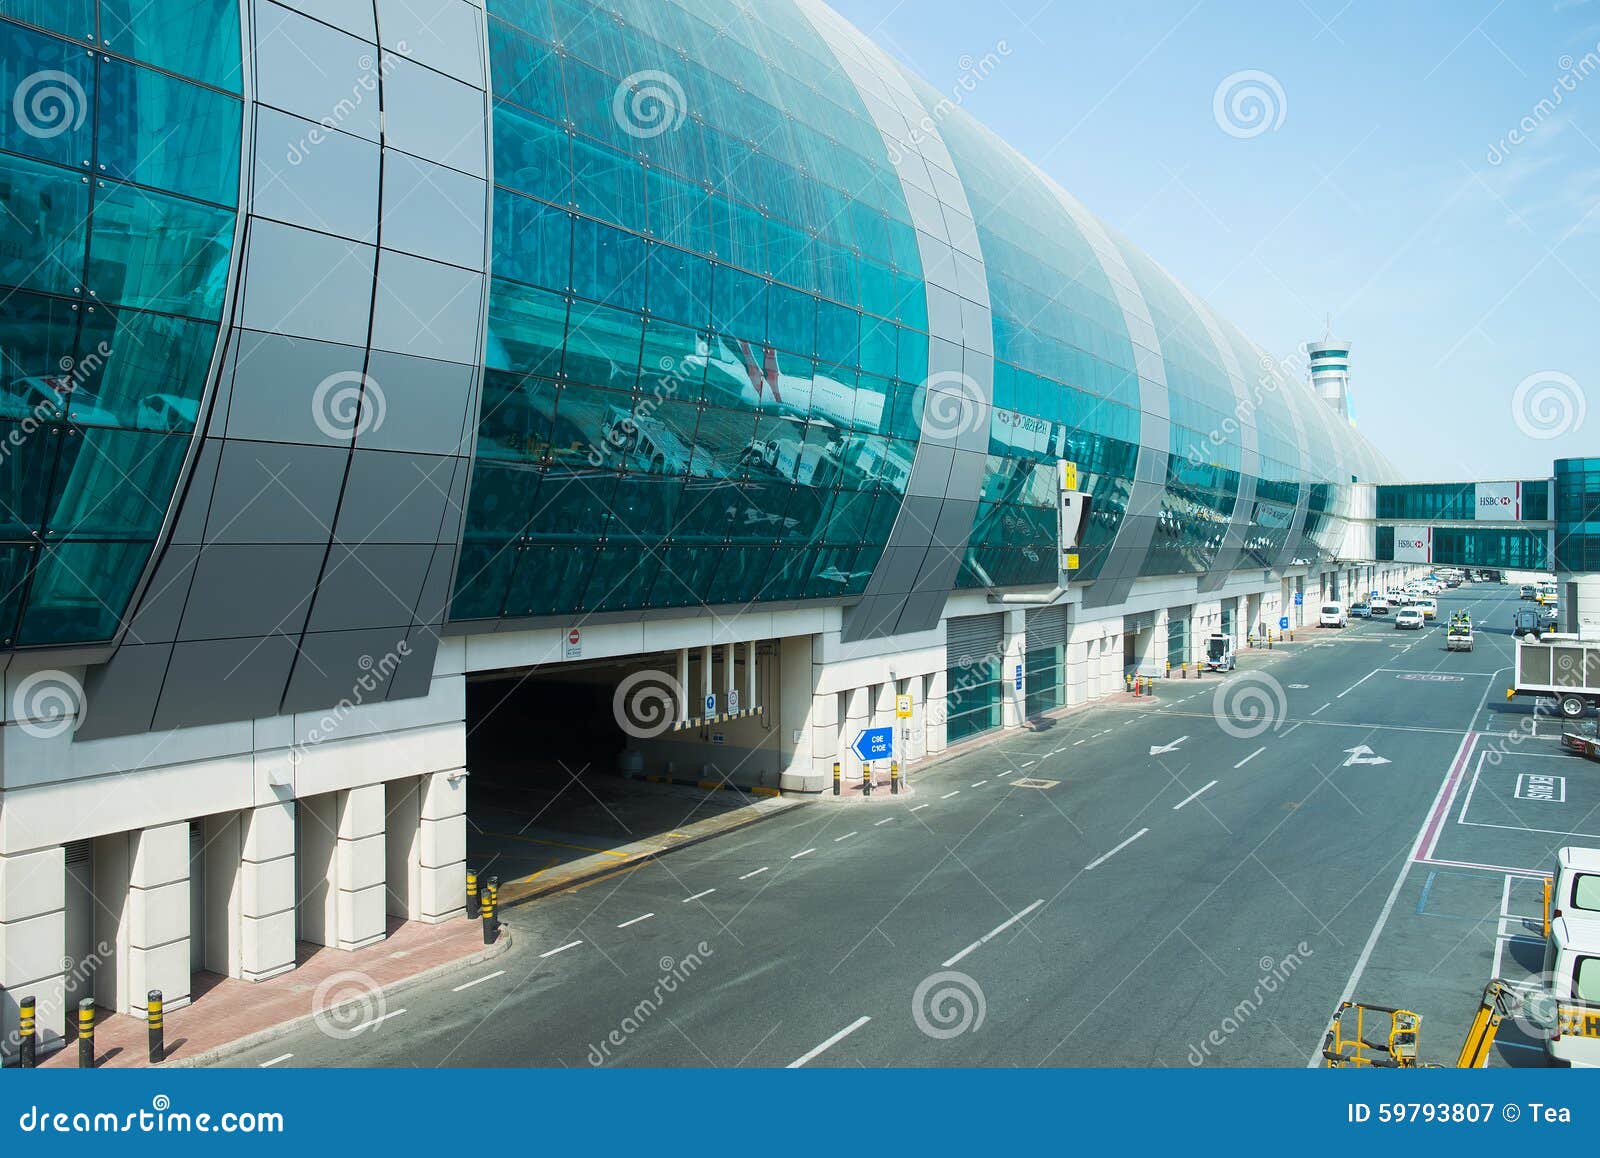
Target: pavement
<point>330,992</point>
<point>1194,879</point>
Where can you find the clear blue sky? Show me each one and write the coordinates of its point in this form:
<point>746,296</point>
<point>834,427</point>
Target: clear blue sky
<point>1456,277</point>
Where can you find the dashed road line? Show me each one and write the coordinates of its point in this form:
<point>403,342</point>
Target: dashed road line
<point>993,933</point>
<point>887,819</point>
<point>757,873</point>
<point>1094,864</point>
<point>1322,709</point>
<point>846,836</point>
<point>561,948</point>
<point>479,980</point>
<point>636,920</point>
<point>804,852</point>
<point>829,1044</point>
<point>1247,759</point>
<point>1192,795</point>
<point>379,1020</point>
<point>919,808</point>
<point>948,795</point>
<point>282,1057</point>
<point>979,784</point>
<point>697,896</point>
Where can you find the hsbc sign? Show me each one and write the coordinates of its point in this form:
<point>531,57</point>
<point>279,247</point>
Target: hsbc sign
<point>1499,502</point>
<point>1413,544</point>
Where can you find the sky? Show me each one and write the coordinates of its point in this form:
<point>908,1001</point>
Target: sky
<point>1428,174</point>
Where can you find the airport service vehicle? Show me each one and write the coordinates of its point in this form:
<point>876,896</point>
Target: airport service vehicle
<point>1408,619</point>
<point>1379,605</point>
<point>1582,737</point>
<point>1527,591</point>
<point>1429,606</point>
<point>1558,665</point>
<point>1219,652</point>
<point>1534,621</point>
<point>1572,1002</point>
<point>1459,636</point>
<point>1331,615</point>
<point>1361,611</point>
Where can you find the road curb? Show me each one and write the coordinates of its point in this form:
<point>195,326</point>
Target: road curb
<point>283,1029</point>
<point>509,898</point>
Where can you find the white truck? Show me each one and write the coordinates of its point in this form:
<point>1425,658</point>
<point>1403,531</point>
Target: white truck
<point>1561,666</point>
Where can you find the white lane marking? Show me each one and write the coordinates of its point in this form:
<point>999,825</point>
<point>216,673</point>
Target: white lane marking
<point>1102,860</point>
<point>1003,775</point>
<point>1075,743</point>
<point>979,784</point>
<point>1322,709</point>
<point>379,1020</point>
<point>1192,795</point>
<point>829,1044</point>
<point>887,819</point>
<point>1316,1059</point>
<point>697,896</point>
<point>1029,763</point>
<point>757,873</point>
<point>947,796</point>
<point>1357,684</point>
<point>479,980</point>
<point>1248,758</point>
<point>635,921</point>
<point>806,852</point>
<point>918,808</point>
<point>561,948</point>
<point>1292,727</point>
<point>993,933</point>
<point>848,835</point>
<point>282,1057</point>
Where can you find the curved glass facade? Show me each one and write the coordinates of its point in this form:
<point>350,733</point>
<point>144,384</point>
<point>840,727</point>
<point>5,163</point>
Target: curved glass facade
<point>119,183</point>
<point>707,319</point>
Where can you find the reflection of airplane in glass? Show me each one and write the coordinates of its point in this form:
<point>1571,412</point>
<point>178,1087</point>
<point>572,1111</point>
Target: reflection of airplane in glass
<point>752,373</point>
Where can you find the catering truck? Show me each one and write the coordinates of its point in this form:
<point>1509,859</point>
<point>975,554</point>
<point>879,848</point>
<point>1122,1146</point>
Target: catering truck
<point>1563,667</point>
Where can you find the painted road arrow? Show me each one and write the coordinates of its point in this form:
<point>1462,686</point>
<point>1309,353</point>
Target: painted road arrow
<point>1165,748</point>
<point>1361,754</point>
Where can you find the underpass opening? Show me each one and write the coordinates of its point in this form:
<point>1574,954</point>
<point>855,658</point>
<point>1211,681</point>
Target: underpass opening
<point>575,761</point>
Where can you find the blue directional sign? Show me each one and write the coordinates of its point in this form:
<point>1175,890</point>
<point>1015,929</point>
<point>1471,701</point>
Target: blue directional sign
<point>1299,598</point>
<point>1018,677</point>
<point>874,744</point>
<point>711,704</point>
<point>1283,623</point>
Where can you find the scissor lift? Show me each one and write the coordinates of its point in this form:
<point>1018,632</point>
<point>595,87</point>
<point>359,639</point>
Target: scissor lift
<point>1394,1045</point>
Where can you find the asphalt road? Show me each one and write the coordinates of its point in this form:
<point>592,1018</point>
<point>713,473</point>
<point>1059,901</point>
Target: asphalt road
<point>1182,882</point>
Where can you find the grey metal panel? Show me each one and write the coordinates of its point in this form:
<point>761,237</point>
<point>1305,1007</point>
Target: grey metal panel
<point>414,677</point>
<point>939,570</point>
<point>966,474</point>
<point>896,572</point>
<point>251,590</point>
<point>442,34</point>
<point>955,521</point>
<point>122,693</point>
<point>394,498</point>
<point>190,525</point>
<point>432,211</point>
<point>218,681</point>
<point>276,383</point>
<point>352,16</point>
<point>921,611</point>
<point>370,585</point>
<point>156,620</point>
<point>275,492</point>
<point>307,284</point>
<point>930,472</point>
<point>426,309</point>
<point>431,116</point>
<point>335,665</point>
<point>426,404</point>
<point>313,71</point>
<point>434,601</point>
<point>310,176</point>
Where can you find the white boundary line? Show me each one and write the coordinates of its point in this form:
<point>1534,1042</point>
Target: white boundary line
<point>829,1044</point>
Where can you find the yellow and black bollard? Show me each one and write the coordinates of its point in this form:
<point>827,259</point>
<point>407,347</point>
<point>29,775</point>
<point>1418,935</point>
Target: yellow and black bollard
<point>493,887</point>
<point>486,911</point>
<point>26,1010</point>
<point>866,779</point>
<point>472,894</point>
<point>837,786</point>
<point>86,1034</point>
<point>894,778</point>
<point>156,1023</point>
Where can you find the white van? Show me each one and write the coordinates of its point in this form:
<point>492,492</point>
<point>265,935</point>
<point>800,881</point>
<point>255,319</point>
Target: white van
<point>1428,605</point>
<point>1332,615</point>
<point>1572,970</point>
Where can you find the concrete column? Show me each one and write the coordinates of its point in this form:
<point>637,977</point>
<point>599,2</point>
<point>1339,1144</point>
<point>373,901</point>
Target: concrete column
<point>857,716</point>
<point>221,893</point>
<point>934,713</point>
<point>684,693</point>
<point>883,716</point>
<point>442,848</point>
<point>266,890</point>
<point>32,944</point>
<point>708,686</point>
<point>361,867</point>
<point>751,686</point>
<point>158,916</point>
<point>823,726</point>
<point>1013,646</point>
<point>402,844</point>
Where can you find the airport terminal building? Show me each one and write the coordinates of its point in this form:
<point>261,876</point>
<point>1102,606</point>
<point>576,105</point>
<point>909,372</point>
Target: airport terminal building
<point>671,385</point>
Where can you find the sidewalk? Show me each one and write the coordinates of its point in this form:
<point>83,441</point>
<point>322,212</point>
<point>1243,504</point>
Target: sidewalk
<point>344,990</point>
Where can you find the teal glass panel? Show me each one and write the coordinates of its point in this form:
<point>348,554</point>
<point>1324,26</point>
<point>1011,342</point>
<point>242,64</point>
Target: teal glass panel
<point>167,133</point>
<point>16,562</point>
<point>43,209</point>
<point>79,590</point>
<point>49,86</point>
<point>193,38</point>
<point>112,484</point>
<point>151,251</point>
<point>71,18</point>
